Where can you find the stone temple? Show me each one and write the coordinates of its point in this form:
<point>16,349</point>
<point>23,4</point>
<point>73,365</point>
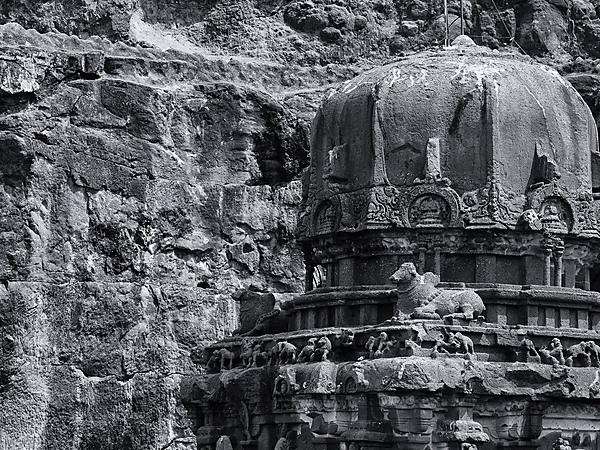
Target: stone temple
<point>451,236</point>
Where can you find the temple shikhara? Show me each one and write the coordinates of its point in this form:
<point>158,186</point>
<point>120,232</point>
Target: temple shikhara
<point>451,235</point>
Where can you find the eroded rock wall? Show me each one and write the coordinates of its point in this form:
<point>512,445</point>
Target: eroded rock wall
<point>140,191</point>
<point>150,159</point>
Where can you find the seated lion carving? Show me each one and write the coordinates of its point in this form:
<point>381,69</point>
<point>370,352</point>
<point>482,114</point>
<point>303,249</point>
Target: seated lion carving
<point>418,292</point>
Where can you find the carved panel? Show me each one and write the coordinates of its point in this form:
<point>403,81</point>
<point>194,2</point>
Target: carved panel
<point>492,204</point>
<point>429,210</point>
<point>355,207</point>
<point>326,217</point>
<point>385,207</point>
<point>586,215</point>
<point>555,215</point>
<point>433,204</point>
<point>554,207</point>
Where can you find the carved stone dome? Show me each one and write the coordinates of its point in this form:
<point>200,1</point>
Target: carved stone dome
<point>451,143</point>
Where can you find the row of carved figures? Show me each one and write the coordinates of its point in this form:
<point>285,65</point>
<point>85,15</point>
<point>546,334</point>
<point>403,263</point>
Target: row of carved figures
<point>583,354</point>
<point>282,353</point>
<point>384,347</point>
<point>224,443</point>
<point>318,349</point>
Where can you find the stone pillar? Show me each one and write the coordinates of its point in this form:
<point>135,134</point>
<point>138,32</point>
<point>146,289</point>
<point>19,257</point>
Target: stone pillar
<point>558,265</point>
<point>547,265</point>
<point>310,268</point>
<point>437,260</point>
<point>308,278</point>
<point>422,256</point>
<point>586,277</point>
<point>570,270</point>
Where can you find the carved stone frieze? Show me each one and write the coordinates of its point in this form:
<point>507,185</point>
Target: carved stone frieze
<point>492,205</point>
<point>386,208</point>
<point>432,204</point>
<point>499,243</point>
<point>463,430</point>
<point>454,343</point>
<point>435,204</point>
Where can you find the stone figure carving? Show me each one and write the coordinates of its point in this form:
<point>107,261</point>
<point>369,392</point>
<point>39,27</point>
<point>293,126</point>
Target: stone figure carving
<point>547,358</point>
<point>258,357</point>
<point>584,354</point>
<point>246,353</point>
<point>555,215</point>
<point>413,346</point>
<point>430,302</point>
<point>283,353</point>
<point>383,337</point>
<point>214,362</point>
<point>308,350</point>
<point>561,444</point>
<point>382,347</point>
<point>371,346</point>
<point>530,220</point>
<point>554,354</point>
<point>325,218</point>
<point>390,348</point>
<point>347,337</point>
<point>322,349</point>
<point>221,359</point>
<point>594,352</point>
<point>456,343</point>
<point>529,352</point>
<point>468,446</point>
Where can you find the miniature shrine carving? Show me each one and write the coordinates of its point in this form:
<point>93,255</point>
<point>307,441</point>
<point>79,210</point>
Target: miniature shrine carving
<point>429,211</point>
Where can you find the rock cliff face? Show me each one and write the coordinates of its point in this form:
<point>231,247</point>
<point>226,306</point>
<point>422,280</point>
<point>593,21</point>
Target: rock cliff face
<point>150,155</point>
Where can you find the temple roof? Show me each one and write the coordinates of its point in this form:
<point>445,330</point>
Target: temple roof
<point>465,114</point>
<point>491,113</point>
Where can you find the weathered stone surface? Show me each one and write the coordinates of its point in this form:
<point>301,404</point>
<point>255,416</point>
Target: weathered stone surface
<point>541,26</point>
<point>135,205</point>
<point>90,348</point>
<point>150,171</point>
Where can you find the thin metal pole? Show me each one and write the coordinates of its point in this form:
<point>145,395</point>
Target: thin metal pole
<point>447,40</point>
<point>462,17</point>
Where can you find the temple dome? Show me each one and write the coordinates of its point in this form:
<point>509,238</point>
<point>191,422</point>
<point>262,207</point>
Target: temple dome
<point>414,160</point>
<point>483,116</point>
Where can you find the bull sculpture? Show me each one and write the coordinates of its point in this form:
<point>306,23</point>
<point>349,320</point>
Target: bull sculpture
<point>428,301</point>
